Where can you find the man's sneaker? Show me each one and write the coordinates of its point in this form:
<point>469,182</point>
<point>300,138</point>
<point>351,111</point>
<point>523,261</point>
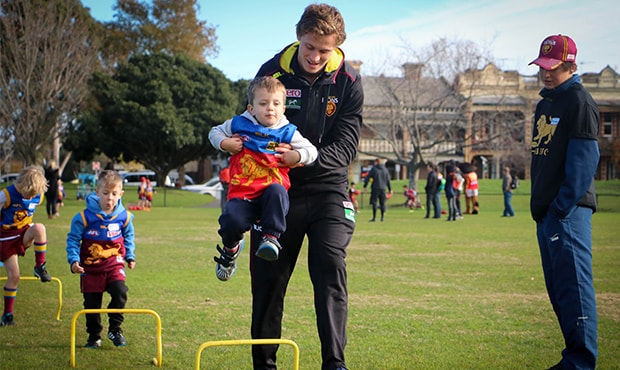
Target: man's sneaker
<point>93,343</point>
<point>269,248</point>
<point>116,336</point>
<point>42,273</point>
<point>226,262</point>
<point>7,319</point>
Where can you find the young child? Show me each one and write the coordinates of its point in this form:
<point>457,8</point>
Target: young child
<point>18,232</point>
<point>142,190</point>
<point>101,239</point>
<point>259,173</point>
<point>411,196</point>
<point>61,194</point>
<point>353,193</point>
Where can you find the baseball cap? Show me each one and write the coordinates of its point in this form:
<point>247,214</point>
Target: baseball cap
<point>555,50</point>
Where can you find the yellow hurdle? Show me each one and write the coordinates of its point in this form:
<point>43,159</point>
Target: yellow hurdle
<point>156,361</point>
<point>249,341</point>
<point>37,279</point>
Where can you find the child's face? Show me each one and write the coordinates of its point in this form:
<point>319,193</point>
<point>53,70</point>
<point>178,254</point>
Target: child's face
<point>554,78</point>
<point>109,196</point>
<point>267,107</point>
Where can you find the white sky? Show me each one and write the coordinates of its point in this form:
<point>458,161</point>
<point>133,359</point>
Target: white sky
<point>250,32</point>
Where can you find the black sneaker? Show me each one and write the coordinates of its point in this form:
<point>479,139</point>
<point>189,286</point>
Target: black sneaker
<point>7,319</point>
<point>42,273</point>
<point>269,248</point>
<point>116,336</point>
<point>226,262</point>
<point>93,343</point>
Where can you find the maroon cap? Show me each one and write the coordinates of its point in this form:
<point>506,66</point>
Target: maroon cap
<point>554,51</point>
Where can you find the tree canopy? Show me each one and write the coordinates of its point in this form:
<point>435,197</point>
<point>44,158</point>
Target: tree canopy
<point>159,26</point>
<point>157,110</point>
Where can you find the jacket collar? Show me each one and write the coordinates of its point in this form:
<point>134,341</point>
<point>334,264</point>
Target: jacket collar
<point>287,56</point>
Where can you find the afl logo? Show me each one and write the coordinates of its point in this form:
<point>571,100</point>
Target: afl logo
<point>331,106</point>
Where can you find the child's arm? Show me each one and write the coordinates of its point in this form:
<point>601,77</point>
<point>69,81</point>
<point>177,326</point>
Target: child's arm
<point>302,153</point>
<point>74,242</point>
<point>130,246</point>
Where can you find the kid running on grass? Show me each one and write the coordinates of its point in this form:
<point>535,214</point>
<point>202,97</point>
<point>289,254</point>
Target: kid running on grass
<point>259,174</point>
<point>18,232</point>
<point>100,241</point>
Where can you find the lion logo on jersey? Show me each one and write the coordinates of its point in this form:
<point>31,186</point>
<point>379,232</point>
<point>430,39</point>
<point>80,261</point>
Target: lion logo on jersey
<point>98,253</point>
<point>251,170</point>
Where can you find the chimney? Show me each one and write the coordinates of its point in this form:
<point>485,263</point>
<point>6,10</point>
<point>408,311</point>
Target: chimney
<point>412,71</point>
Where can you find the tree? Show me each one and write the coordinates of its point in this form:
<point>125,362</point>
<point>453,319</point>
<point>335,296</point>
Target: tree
<point>157,110</point>
<point>163,26</point>
<point>47,55</point>
<point>423,115</point>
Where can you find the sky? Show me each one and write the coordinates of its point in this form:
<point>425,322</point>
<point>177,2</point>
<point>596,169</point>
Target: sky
<point>378,32</point>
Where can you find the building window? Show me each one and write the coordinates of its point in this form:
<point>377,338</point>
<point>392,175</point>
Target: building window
<point>607,125</point>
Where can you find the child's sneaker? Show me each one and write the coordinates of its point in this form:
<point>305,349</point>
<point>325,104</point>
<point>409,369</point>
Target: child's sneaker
<point>93,342</point>
<point>226,263</point>
<point>116,336</point>
<point>41,273</point>
<point>269,248</point>
<point>7,319</point>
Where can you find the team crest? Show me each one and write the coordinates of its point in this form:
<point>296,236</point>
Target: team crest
<point>331,106</point>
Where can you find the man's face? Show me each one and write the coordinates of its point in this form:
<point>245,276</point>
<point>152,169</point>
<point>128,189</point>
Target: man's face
<point>314,52</point>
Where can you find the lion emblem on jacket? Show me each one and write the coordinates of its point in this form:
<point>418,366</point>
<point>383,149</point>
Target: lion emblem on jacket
<point>545,130</point>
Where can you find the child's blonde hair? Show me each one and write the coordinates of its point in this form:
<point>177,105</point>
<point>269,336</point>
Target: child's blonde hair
<point>269,83</point>
<point>108,179</point>
<point>31,182</point>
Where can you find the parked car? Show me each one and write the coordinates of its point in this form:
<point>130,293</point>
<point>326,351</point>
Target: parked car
<point>134,178</point>
<point>8,178</point>
<point>172,180</point>
<point>213,187</point>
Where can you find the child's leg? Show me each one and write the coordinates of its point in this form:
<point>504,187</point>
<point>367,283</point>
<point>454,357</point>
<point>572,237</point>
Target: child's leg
<point>118,294</point>
<point>274,205</point>
<point>238,217</point>
<point>93,321</point>
<point>37,234</point>
<point>11,266</point>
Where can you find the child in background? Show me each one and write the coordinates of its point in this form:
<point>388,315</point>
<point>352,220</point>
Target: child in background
<point>101,240</point>
<point>411,195</point>
<point>353,193</point>
<point>61,194</point>
<point>18,232</point>
<point>259,178</point>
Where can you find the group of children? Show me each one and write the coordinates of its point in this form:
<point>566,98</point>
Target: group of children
<point>99,243</point>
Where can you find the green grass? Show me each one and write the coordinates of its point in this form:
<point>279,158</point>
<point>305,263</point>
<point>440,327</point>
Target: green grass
<point>423,294</point>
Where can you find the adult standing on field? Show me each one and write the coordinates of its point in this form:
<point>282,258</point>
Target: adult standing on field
<point>380,177</point>
<point>324,99</point>
<point>507,190</point>
<point>52,175</point>
<point>432,188</point>
<point>565,156</point>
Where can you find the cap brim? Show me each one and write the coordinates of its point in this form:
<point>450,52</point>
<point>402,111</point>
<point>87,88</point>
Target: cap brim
<point>546,63</point>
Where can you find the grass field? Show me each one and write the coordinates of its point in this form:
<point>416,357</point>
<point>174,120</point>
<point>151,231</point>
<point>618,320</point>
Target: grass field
<point>423,294</point>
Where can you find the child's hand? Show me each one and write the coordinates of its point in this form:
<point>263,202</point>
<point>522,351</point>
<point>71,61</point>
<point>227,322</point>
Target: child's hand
<point>131,264</point>
<point>76,268</point>
<point>232,145</point>
<point>287,156</point>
